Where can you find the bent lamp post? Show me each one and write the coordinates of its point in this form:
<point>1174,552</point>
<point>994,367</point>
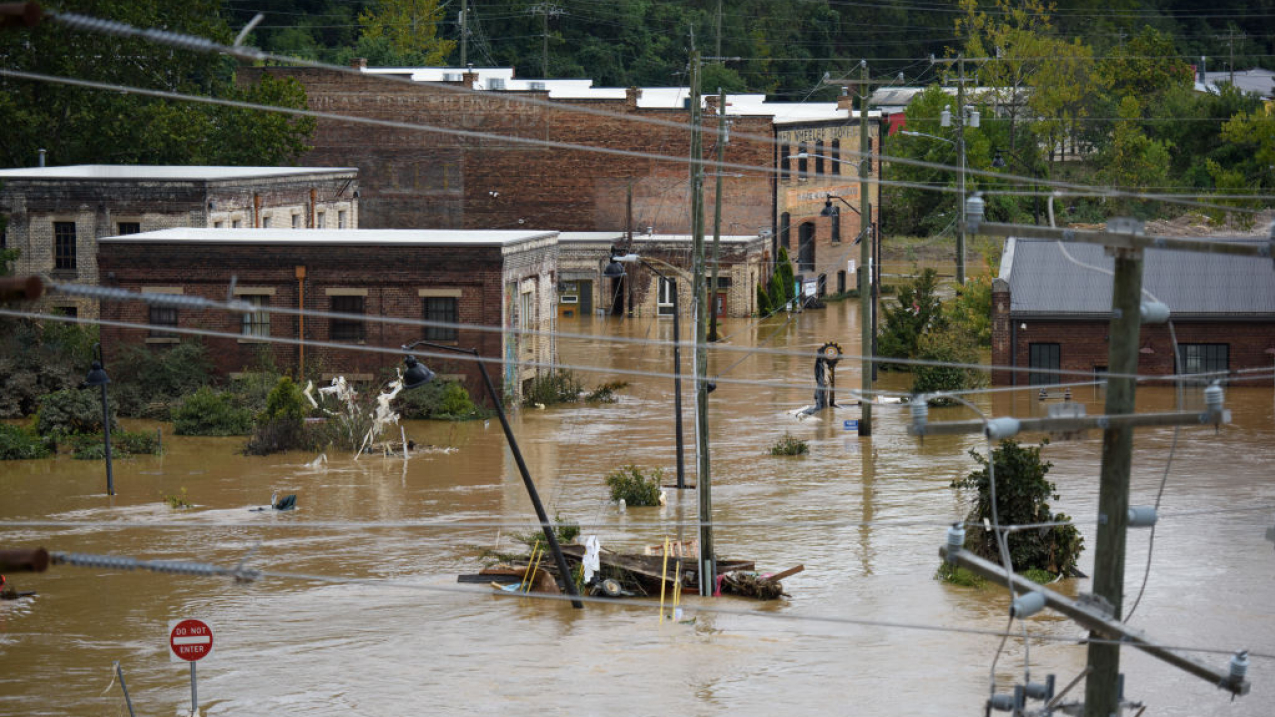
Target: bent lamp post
<point>97,377</point>
<point>615,269</point>
<point>418,375</point>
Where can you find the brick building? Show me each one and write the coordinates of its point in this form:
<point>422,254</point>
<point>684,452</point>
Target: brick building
<point>1051,313</point>
<point>57,214</point>
<point>583,290</point>
<point>422,179</point>
<point>455,280</point>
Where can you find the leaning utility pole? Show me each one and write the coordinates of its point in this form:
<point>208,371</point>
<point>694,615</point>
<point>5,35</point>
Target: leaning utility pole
<point>703,481</point>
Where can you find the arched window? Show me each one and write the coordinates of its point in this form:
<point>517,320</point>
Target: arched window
<point>806,249</point>
<point>803,155</point>
<point>785,156</point>
<point>819,156</point>
<point>836,156</point>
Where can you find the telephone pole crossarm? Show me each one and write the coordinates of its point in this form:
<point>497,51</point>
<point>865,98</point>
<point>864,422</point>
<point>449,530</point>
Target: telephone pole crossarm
<point>1096,621</point>
<point>1052,424</point>
<point>1128,240</point>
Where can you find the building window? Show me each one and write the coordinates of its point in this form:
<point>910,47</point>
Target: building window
<point>236,224</point>
<point>836,225</point>
<point>806,247</point>
<point>67,311</point>
<point>347,329</point>
<point>836,156</point>
<point>527,317</point>
<point>64,245</point>
<point>265,222</point>
<point>161,317</point>
<point>822,285</point>
<point>320,220</point>
<point>803,159</point>
<point>785,238</point>
<point>445,310</point>
<point>257,321</point>
<point>219,225</point>
<point>130,228</point>
<point>785,156</point>
<point>296,221</point>
<point>340,219</point>
<point>1204,358</point>
<point>664,305</point>
<point>1047,357</point>
<point>819,156</point>
<point>841,282</point>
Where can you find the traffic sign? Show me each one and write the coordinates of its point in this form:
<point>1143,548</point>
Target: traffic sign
<point>189,640</point>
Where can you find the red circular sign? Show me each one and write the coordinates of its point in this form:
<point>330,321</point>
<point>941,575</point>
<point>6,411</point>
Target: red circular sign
<point>191,640</point>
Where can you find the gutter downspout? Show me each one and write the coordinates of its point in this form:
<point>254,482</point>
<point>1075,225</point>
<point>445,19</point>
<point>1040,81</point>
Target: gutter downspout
<point>313,196</point>
<point>256,211</point>
<point>300,274</point>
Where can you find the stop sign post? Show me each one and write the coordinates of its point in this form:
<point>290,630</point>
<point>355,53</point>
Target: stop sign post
<point>190,641</point>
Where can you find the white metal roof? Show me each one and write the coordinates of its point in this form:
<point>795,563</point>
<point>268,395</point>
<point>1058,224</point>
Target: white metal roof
<point>163,172</point>
<point>312,237</point>
<point>568,237</point>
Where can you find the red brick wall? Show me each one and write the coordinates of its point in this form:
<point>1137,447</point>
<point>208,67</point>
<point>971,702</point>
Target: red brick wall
<point>1084,344</point>
<point>391,275</point>
<point>413,179</point>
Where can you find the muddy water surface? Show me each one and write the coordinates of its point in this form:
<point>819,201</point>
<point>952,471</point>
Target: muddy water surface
<point>865,516</point>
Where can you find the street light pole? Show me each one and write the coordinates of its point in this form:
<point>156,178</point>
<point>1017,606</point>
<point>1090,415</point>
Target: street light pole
<point>614,270</point>
<point>418,375</point>
<point>865,258</point>
<point>97,377</point>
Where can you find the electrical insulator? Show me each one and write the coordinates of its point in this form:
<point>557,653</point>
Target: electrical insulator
<point>973,118</point>
<point>955,541</point>
<point>974,209</point>
<point>1040,690</point>
<point>1003,702</point>
<point>1154,312</point>
<point>945,117</point>
<point>920,414</point>
<point>1213,396</point>
<point>1027,605</point>
<point>1142,516</point>
<point>1239,665</point>
<point>1003,427</point>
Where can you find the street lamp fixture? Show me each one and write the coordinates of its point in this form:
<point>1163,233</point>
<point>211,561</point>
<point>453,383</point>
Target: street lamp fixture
<point>418,375</point>
<point>97,377</point>
<point>615,269</point>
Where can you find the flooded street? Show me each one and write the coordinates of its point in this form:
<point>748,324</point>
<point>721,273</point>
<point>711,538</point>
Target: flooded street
<point>382,628</point>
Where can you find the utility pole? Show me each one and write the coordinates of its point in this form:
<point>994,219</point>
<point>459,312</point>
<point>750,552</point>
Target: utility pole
<point>1230,38</point>
<point>464,35</point>
<point>717,49</point>
<point>703,481</point>
<point>544,9</point>
<point>717,214</point>
<point>960,177</point>
<point>867,236</point>
<point>1102,695</point>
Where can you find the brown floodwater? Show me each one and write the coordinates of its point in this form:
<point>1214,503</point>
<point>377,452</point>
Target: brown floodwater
<point>865,517</point>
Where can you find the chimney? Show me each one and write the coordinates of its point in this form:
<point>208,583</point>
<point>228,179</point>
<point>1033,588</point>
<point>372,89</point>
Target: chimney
<point>470,78</point>
<point>710,104</point>
<point>42,153</point>
<point>845,101</point>
<point>631,97</point>
<point>359,63</point>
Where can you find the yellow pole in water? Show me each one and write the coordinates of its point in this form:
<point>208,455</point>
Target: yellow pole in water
<point>663,579</point>
<point>532,565</point>
<point>677,587</point>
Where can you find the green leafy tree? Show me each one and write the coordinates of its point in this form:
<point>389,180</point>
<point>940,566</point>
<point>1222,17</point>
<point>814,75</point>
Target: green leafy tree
<point>410,28</point>
<point>950,345</point>
<point>917,311</point>
<point>94,126</point>
<point>211,413</point>
<point>1022,495</point>
<point>1134,161</point>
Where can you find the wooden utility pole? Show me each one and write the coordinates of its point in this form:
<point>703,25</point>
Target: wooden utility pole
<point>866,238</point>
<point>703,481</point>
<point>960,175</point>
<point>717,214</point>
<point>464,35</point>
<point>1102,697</point>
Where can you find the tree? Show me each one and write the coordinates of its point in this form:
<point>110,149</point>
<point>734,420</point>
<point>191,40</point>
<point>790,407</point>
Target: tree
<point>1021,495</point>
<point>94,126</point>
<point>949,345</point>
<point>1134,161</point>
<point>917,312</point>
<point>410,28</point>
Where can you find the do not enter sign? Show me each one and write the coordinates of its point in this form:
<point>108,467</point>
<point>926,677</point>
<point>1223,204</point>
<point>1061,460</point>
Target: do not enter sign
<point>189,640</point>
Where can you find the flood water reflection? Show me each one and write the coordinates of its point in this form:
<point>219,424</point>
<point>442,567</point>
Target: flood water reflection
<point>865,517</point>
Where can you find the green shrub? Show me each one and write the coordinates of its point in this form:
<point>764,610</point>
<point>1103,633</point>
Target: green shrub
<point>554,387</point>
<point>605,393</point>
<point>211,413</point>
<point>38,357</point>
<point>916,312</point>
<point>959,576</point>
<point>789,446</point>
<point>634,486</point>
<point>124,444</point>
<point>1021,495</point>
<point>763,301</point>
<point>442,400</point>
<point>17,444</point>
<point>281,425</point>
<point>178,501</point>
<point>251,389</point>
<point>949,345</point>
<point>148,381</point>
<point>71,412</point>
<point>563,531</point>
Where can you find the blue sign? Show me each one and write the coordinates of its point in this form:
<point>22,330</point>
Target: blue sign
<point>852,424</point>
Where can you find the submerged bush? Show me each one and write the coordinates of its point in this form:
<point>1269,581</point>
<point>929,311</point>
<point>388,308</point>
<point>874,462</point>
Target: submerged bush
<point>635,487</point>
<point>281,425</point>
<point>147,382</point>
<point>442,400</point>
<point>789,446</point>
<point>124,444</point>
<point>560,386</point>
<point>211,413</point>
<point>71,412</point>
<point>18,444</point>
